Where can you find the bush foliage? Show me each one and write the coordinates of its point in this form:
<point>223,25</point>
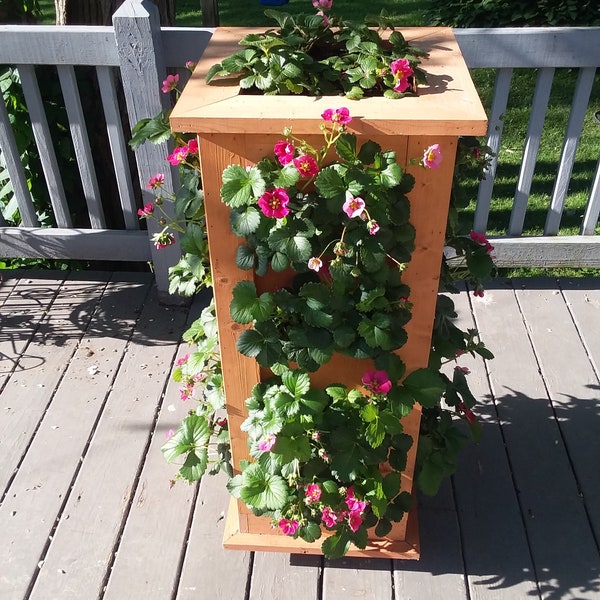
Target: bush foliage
<point>502,13</point>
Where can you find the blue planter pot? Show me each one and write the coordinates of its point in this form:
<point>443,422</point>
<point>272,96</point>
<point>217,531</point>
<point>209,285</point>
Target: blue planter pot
<point>273,2</point>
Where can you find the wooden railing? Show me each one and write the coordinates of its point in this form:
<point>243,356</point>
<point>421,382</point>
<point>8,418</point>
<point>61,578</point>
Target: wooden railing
<point>130,60</point>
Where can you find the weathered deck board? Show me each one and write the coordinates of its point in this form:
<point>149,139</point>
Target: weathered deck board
<point>495,544</point>
<point>89,529</point>
<point>87,512</point>
<point>156,527</point>
<point>563,550</point>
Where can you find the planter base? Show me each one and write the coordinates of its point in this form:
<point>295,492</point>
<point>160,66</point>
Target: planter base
<point>273,541</point>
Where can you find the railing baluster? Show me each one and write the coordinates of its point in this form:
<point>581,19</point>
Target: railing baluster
<point>118,147</point>
<point>581,99</point>
<point>81,145</point>
<point>539,107</point>
<point>484,195</point>
<point>592,210</point>
<point>43,139</point>
<point>12,160</point>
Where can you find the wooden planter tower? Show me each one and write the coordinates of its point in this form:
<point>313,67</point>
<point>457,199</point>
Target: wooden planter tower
<point>233,128</point>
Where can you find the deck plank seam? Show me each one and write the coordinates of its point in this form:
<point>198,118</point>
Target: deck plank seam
<point>506,445</point>
<point>90,437</point>
<point>588,354</point>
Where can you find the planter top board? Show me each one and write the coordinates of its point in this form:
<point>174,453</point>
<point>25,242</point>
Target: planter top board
<point>447,105</point>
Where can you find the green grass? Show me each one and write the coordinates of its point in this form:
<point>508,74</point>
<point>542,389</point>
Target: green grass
<point>510,155</point>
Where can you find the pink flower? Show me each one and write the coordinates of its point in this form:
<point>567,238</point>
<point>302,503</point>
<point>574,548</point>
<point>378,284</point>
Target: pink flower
<point>169,434</point>
<point>192,147</point>
<point>339,115</point>
<point>178,155</point>
<point>479,238</point>
<point>353,207</point>
<point>464,370</point>
<point>190,65</point>
<point>267,443</point>
<point>353,503</point>
<point>377,381</point>
<point>274,204</point>
<point>288,526</point>
<point>284,151</point>
<point>327,4</point>
<point>373,227</point>
<point>478,291</point>
<point>186,392</point>
<point>145,212</point>
<point>432,157</point>
<point>162,240</point>
<point>312,493</point>
<point>181,361</point>
<point>156,181</point>
<point>307,166</point>
<point>222,422</point>
<point>315,263</point>
<point>354,521</point>
<point>170,83</point>
<point>329,517</point>
<point>401,70</point>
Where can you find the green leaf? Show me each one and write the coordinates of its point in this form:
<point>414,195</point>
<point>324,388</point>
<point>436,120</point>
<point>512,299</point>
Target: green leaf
<point>264,491</point>
<point>310,533</point>
<point>244,298</point>
<point>193,433</point>
<point>241,186</point>
<point>245,259</point>
<point>346,147</point>
<point>195,465</point>
<point>279,262</point>
<point>296,382</point>
<point>244,221</point>
<point>155,130</point>
<point>391,176</point>
<point>430,478</point>
<point>336,545</point>
<point>391,484</point>
<point>426,386</point>
<point>330,184</point>
<point>383,528</point>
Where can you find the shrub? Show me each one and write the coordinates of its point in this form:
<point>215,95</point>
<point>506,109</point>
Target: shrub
<point>502,13</point>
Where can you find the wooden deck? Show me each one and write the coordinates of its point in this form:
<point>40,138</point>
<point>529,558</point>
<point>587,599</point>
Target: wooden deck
<point>85,506</point>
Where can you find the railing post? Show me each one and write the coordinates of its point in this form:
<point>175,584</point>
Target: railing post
<point>138,38</point>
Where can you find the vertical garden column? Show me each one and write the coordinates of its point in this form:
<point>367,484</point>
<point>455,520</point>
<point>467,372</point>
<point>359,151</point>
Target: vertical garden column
<point>242,129</point>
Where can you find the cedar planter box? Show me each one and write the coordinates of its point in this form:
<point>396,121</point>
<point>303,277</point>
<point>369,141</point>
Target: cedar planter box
<point>234,128</point>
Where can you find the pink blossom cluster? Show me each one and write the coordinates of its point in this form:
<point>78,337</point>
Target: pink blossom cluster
<point>170,83</point>
<point>186,391</point>
<point>180,153</point>
<point>353,516</point>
